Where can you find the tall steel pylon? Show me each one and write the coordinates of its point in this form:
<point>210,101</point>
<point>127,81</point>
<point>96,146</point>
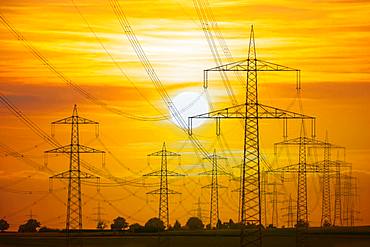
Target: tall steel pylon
<point>325,204</point>
<point>74,175</point>
<point>301,170</point>
<point>274,194</point>
<point>214,212</point>
<point>290,212</point>
<point>350,196</point>
<point>251,111</point>
<point>100,222</point>
<point>338,197</point>
<point>163,191</point>
<point>198,210</point>
<point>275,201</point>
<point>338,192</point>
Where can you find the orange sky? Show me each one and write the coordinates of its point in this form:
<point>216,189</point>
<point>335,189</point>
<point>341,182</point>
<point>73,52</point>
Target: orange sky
<point>327,40</point>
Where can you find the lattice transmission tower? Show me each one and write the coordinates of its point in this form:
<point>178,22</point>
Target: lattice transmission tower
<point>338,197</point>
<point>100,222</point>
<point>214,212</point>
<point>326,219</point>
<point>289,215</point>
<point>251,111</point>
<point>275,201</point>
<point>163,191</point>
<point>74,175</point>
<point>301,169</point>
<point>198,211</point>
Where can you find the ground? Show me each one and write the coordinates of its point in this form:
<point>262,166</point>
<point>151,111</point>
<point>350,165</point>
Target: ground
<point>338,237</point>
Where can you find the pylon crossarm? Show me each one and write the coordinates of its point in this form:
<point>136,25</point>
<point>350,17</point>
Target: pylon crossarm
<point>86,149</point>
<point>175,174</point>
<point>238,112</point>
<point>329,145</point>
<point>264,112</point>
<point>209,186</point>
<point>242,65</point>
<point>310,168</point>
<point>158,192</point>
<point>209,173</point>
<point>67,175</point>
<point>301,141</point>
<point>164,153</point>
<point>215,156</point>
<point>74,119</point>
<point>332,163</point>
<point>158,174</point>
<point>71,148</point>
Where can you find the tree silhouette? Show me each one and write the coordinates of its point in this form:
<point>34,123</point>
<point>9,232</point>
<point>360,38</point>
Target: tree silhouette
<point>101,225</point>
<point>136,228</point>
<point>47,229</point>
<point>119,223</point>
<point>219,224</point>
<point>3,225</point>
<point>194,223</point>
<point>154,225</point>
<point>30,226</point>
<point>177,226</point>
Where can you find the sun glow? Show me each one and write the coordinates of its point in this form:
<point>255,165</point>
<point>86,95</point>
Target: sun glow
<point>190,104</point>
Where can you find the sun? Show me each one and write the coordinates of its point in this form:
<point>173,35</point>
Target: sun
<point>190,104</point>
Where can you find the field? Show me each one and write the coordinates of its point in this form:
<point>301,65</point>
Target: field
<point>339,237</point>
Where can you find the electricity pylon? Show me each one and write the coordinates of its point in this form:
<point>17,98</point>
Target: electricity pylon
<point>301,170</point>
<point>163,191</point>
<point>214,213</point>
<point>251,111</point>
<point>350,195</point>
<point>289,212</point>
<point>198,210</point>
<point>74,175</point>
<point>100,222</point>
<point>338,197</point>
<point>325,204</point>
<point>31,215</point>
<point>275,201</point>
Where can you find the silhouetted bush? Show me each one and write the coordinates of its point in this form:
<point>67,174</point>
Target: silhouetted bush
<point>3,225</point>
<point>101,225</point>
<point>31,226</point>
<point>46,229</point>
<point>219,224</point>
<point>136,228</point>
<point>301,223</point>
<point>154,225</point>
<point>194,223</point>
<point>119,223</point>
<point>177,226</point>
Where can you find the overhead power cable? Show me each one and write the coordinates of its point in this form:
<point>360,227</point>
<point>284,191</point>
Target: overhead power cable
<point>69,82</point>
<point>128,31</point>
<point>38,131</point>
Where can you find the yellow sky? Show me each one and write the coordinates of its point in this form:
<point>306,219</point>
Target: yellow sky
<point>327,40</point>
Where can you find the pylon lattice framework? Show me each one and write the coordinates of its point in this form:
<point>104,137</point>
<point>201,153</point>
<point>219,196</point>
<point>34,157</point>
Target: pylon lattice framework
<point>301,169</point>
<point>163,191</point>
<point>214,212</point>
<point>74,175</point>
<point>251,111</point>
<point>289,212</point>
<point>338,197</point>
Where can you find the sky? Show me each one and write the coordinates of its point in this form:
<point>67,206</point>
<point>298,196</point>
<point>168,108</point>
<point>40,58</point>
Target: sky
<point>84,41</point>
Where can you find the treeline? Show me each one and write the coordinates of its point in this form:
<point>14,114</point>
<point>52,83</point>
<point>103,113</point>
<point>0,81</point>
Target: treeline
<point>121,224</point>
